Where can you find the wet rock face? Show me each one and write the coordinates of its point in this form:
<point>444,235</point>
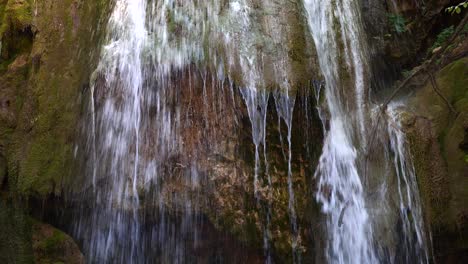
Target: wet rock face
<point>211,173</point>
<point>41,73</point>
<point>195,147</point>
<point>400,33</point>
<point>44,88</point>
<point>218,141</point>
<point>437,139</point>
<point>53,246</point>
<point>46,53</point>
<point>436,136</point>
<point>25,240</point>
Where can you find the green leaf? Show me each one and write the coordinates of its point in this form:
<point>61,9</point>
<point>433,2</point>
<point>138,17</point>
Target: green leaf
<point>398,21</point>
<point>458,9</point>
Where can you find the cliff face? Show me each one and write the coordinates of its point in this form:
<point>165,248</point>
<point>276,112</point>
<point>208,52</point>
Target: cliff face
<point>46,52</point>
<point>438,141</point>
<point>49,50</point>
<point>435,112</point>
<point>25,240</point>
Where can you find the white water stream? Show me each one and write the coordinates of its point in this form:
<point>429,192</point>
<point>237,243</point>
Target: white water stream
<point>340,189</point>
<point>343,167</point>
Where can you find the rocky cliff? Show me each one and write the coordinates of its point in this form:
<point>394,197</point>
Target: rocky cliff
<point>49,50</point>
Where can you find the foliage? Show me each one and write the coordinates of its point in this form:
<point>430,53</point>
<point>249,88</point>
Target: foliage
<point>398,22</point>
<point>457,8</point>
<point>406,73</point>
<point>443,36</point>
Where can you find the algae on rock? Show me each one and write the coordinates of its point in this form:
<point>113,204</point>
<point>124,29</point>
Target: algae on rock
<point>436,136</point>
<point>54,54</point>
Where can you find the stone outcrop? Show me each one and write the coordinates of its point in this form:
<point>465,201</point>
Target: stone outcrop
<point>437,137</point>
<point>46,52</point>
<point>436,134</point>
<point>26,240</point>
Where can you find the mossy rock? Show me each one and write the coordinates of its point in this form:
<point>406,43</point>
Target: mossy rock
<point>52,246</point>
<point>24,240</point>
<point>3,169</point>
<point>15,235</point>
<point>15,28</point>
<point>59,51</point>
<point>16,14</point>
<point>436,139</point>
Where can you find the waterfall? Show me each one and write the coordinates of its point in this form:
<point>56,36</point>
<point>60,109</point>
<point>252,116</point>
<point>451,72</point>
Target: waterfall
<point>134,127</point>
<point>137,145</point>
<point>340,187</point>
<point>116,133</point>
<point>344,174</point>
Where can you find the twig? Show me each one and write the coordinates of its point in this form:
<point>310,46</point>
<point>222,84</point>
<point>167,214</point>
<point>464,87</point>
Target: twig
<point>437,90</point>
<point>430,62</point>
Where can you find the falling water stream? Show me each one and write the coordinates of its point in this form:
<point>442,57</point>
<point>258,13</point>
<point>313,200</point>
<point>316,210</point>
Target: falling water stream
<point>341,188</point>
<point>133,111</point>
<point>414,240</point>
<point>343,167</point>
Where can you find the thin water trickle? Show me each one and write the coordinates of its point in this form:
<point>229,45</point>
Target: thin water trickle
<point>415,241</point>
<point>285,108</point>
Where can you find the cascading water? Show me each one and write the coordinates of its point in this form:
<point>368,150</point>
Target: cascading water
<point>115,134</point>
<point>343,184</point>
<point>136,128</point>
<point>132,107</point>
<point>414,244</point>
<point>340,188</point>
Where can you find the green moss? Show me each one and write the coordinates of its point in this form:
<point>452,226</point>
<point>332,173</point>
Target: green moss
<point>462,105</point>
<point>15,29</point>
<point>15,235</point>
<point>2,10</point>
<point>17,15</point>
<point>54,243</point>
<point>454,79</point>
<point>443,36</point>
<point>398,22</point>
<point>51,245</point>
<point>45,167</point>
<point>441,169</point>
<point>38,146</point>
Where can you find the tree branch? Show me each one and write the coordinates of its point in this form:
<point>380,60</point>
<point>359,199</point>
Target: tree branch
<point>437,90</point>
<point>425,67</point>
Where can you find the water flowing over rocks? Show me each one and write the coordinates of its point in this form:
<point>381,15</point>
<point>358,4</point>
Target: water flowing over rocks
<point>233,131</point>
